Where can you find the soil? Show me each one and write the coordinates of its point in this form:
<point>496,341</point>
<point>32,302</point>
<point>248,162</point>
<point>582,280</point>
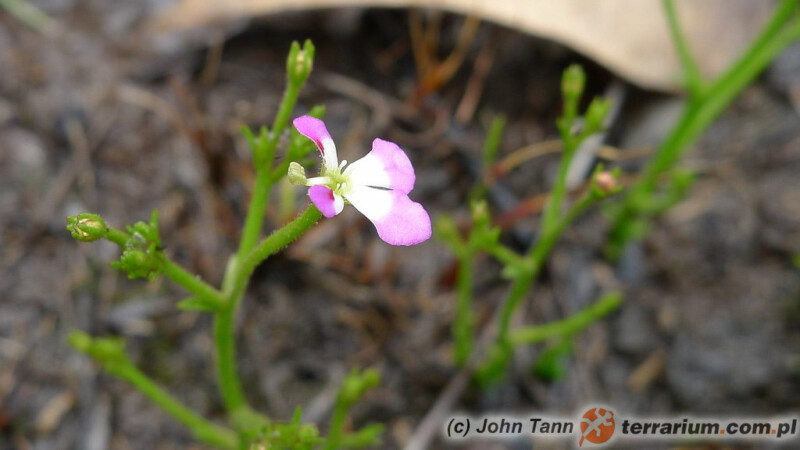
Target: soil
<point>105,119</point>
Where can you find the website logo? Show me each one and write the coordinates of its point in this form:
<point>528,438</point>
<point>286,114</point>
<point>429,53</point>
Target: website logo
<point>597,426</point>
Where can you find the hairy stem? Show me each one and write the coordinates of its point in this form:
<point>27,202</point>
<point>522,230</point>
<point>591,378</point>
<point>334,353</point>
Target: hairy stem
<point>224,320</point>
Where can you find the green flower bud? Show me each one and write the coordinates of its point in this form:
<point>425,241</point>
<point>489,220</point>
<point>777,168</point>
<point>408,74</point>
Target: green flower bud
<point>572,83</point>
<point>87,227</point>
<point>297,174</point>
<point>355,384</point>
<point>596,115</point>
<point>300,61</point>
<point>480,215</point>
<point>138,263</point>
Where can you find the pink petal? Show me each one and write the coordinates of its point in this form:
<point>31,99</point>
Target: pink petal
<point>326,201</point>
<point>386,166</point>
<point>398,219</point>
<point>315,129</point>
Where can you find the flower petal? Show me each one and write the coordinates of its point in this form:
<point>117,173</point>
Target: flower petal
<point>326,201</point>
<point>398,219</point>
<point>315,129</point>
<point>386,166</point>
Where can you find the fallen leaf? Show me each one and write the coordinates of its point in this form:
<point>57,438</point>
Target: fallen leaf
<point>629,37</point>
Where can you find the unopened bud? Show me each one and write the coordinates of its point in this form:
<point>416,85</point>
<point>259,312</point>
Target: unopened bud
<point>596,114</point>
<point>480,214</point>
<point>573,82</point>
<point>297,174</point>
<point>300,61</point>
<point>138,263</point>
<point>355,384</point>
<point>606,183</point>
<point>87,227</point>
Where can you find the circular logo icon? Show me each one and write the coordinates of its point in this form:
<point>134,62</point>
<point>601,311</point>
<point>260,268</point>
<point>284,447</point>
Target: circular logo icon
<point>597,426</point>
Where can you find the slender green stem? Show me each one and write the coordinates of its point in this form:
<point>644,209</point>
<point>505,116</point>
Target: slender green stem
<point>569,326</point>
<point>704,109</point>
<point>336,429</point>
<point>536,259</point>
<point>255,212</point>
<point>272,244</point>
<point>192,284</point>
<point>505,255</point>
<point>694,81</point>
<point>174,272</point>
<point>553,208</point>
<point>224,320</point>
<point>203,430</point>
<point>258,203</point>
<point>224,337</point>
<point>118,236</point>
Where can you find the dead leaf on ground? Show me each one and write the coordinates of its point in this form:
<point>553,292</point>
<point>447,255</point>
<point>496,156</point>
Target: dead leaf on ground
<point>628,37</point>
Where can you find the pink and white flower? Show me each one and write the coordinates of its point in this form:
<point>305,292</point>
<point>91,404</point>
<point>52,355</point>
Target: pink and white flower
<point>377,185</point>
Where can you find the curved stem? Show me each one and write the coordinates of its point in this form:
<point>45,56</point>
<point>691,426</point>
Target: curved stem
<point>224,320</point>
<point>570,325</point>
<point>203,430</point>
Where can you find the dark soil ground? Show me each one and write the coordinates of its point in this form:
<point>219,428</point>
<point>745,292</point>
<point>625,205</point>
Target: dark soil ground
<point>97,120</point>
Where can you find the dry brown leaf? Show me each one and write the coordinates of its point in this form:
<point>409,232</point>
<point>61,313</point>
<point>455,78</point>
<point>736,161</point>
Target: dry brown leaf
<point>630,37</point>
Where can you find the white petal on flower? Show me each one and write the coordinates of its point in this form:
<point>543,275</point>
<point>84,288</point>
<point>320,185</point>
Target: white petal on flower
<point>338,203</point>
<point>368,171</point>
<point>371,202</point>
<point>329,154</point>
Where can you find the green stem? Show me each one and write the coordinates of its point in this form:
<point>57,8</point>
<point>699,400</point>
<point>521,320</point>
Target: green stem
<point>704,109</point>
<point>264,161</point>
<point>536,260</point>
<point>203,430</point>
<point>117,236</point>
<point>553,207</point>
<point>272,244</point>
<point>192,284</point>
<point>229,384</point>
<point>336,429</point>
<point>569,326</point>
<point>694,81</point>
<point>224,320</point>
<point>174,272</point>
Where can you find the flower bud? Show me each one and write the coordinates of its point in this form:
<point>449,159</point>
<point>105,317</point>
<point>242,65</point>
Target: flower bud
<point>355,384</point>
<point>480,215</point>
<point>297,174</point>
<point>300,61</point>
<point>596,114</point>
<point>87,227</point>
<point>605,183</point>
<point>572,83</point>
<point>138,263</point>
